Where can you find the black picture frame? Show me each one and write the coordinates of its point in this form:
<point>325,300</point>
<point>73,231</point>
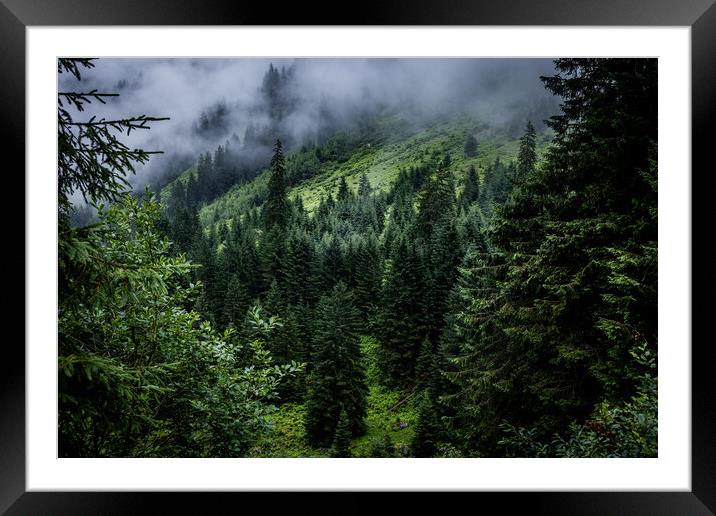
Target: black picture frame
<point>700,15</point>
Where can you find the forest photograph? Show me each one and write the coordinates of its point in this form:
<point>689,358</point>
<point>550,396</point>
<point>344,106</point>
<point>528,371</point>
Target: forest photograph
<point>357,257</point>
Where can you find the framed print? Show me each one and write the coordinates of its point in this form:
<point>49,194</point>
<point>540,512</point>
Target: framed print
<point>429,251</point>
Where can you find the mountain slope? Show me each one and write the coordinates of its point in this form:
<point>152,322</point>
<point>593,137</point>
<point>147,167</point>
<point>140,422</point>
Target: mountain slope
<point>381,151</point>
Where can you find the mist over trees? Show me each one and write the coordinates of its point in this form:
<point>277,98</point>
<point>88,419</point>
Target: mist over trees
<point>487,296</point>
<point>250,103</point>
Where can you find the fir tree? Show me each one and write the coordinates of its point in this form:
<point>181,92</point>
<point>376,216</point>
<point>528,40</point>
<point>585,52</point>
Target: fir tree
<point>436,233</point>
<point>342,440</point>
<point>471,188</point>
<point>301,272</point>
<point>527,158</point>
<point>437,201</point>
<point>470,146</point>
<point>275,211</point>
<point>337,379</point>
<point>92,161</point>
<point>402,320</point>
<point>333,262</point>
<point>427,428</point>
<point>364,188</point>
<point>344,193</point>
<point>236,301</point>
<point>205,179</point>
<point>367,276</point>
<point>541,346</point>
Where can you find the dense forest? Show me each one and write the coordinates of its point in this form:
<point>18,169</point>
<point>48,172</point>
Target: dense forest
<point>377,289</point>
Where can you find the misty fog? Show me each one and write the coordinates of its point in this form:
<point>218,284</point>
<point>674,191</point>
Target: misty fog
<point>212,100</point>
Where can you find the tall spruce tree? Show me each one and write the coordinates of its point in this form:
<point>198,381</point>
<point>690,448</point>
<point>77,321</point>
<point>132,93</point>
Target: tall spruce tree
<point>527,158</point>
<point>275,215</point>
<point>342,440</point>
<point>470,146</point>
<point>364,188</point>
<point>403,318</point>
<point>344,193</point>
<point>276,210</point>
<point>436,233</point>
<point>236,301</point>
<point>337,378</point>
<point>545,341</point>
<point>471,188</point>
<point>367,275</point>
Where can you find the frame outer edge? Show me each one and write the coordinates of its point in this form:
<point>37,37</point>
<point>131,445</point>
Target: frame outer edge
<point>703,412</point>
<point>700,14</point>
<point>387,12</point>
<point>12,365</point>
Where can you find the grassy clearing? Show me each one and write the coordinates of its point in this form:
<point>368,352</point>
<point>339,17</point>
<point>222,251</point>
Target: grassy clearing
<point>386,410</point>
<point>381,162</point>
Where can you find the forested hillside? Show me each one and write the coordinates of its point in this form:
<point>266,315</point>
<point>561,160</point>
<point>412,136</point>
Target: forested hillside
<point>387,287</point>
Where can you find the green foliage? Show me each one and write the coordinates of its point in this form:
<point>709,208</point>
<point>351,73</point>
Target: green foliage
<point>139,374</point>
<point>337,379</point>
<point>382,447</point>
<point>470,146</point>
<point>628,429</point>
<point>390,421</point>
<point>342,438</point>
<point>402,323</point>
<point>527,158</point>
<point>568,287</point>
<point>470,189</point>
<point>495,314</point>
<point>275,211</point>
<point>236,301</point>
<point>428,428</point>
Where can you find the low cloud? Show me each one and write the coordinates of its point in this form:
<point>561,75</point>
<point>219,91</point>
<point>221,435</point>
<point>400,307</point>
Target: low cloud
<point>228,92</point>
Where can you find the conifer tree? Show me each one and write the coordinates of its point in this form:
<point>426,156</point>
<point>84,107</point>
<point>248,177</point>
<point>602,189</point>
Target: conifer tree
<point>337,378</point>
<point>495,187</point>
<point>275,211</point>
<point>470,146</point>
<point>205,179</point>
<point>403,318</point>
<point>527,158</point>
<point>342,440</point>
<point>364,188</point>
<point>437,201</point>
<point>184,230</point>
<point>177,199</point>
<point>432,427</point>
<point>192,191</point>
<point>367,276</point>
<point>436,234</point>
<point>427,428</point>
<point>471,188</point>
<point>301,273</point>
<point>92,161</point>
<point>344,194</point>
<point>539,347</point>
<point>444,248</point>
<point>333,262</point>
<point>236,301</point>
<point>275,217</point>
